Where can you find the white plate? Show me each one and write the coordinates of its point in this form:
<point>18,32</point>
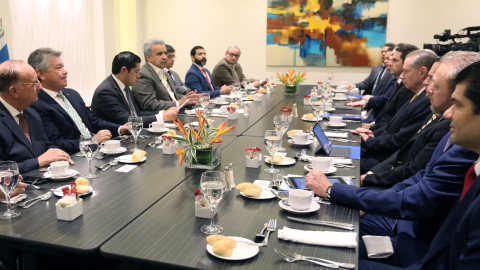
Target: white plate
<point>71,173</point>
<point>122,150</point>
<point>266,194</point>
<point>58,191</point>
<point>158,131</point>
<point>169,125</point>
<point>313,207</point>
<point>340,90</point>
<point>128,159</point>
<point>335,98</point>
<point>241,252</point>
<point>285,161</point>
<point>336,125</point>
<point>221,103</point>
<point>195,124</point>
<point>332,169</point>
<point>305,119</point>
<point>303,144</point>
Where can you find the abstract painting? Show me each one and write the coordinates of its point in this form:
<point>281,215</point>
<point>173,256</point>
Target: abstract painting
<point>326,32</point>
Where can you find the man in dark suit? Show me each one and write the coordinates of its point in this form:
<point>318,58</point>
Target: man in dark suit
<point>378,78</point>
<point>383,142</point>
<point>228,71</point>
<point>63,111</point>
<point>457,243</point>
<point>199,78</point>
<point>180,86</point>
<point>155,89</point>
<point>115,102</point>
<point>22,137</point>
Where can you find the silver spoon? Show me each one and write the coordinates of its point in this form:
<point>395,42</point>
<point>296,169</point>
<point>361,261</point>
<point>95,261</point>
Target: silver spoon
<point>32,185</point>
<point>261,233</point>
<point>112,163</point>
<point>44,197</point>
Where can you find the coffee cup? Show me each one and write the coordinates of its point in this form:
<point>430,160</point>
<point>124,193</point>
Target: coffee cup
<point>336,120</point>
<point>300,137</point>
<point>58,168</point>
<point>220,100</point>
<point>111,146</point>
<point>157,126</point>
<point>300,199</point>
<point>328,106</point>
<point>321,163</point>
<point>340,95</point>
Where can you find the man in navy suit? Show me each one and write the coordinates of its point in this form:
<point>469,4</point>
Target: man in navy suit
<point>63,112</point>
<point>457,243</point>
<point>22,138</point>
<point>199,78</point>
<point>113,99</point>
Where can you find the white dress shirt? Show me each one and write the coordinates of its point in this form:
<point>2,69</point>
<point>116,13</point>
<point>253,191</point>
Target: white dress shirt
<point>163,78</point>
<point>14,112</point>
<point>477,167</point>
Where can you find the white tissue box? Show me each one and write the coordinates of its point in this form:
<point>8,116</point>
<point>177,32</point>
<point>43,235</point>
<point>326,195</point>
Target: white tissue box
<point>170,150</point>
<point>255,162</point>
<point>232,116</point>
<point>204,212</point>
<point>257,98</point>
<point>70,212</point>
<point>313,96</point>
<point>307,102</point>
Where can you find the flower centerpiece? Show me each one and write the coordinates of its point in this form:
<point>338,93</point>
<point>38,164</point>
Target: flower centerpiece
<point>198,152</point>
<point>292,80</point>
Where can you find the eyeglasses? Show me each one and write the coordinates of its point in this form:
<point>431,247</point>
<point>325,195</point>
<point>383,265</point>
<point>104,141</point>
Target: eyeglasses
<point>234,55</point>
<point>171,57</point>
<point>35,83</point>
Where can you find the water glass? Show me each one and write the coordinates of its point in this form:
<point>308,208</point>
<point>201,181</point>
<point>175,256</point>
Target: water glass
<point>9,177</point>
<point>135,126</point>
<point>272,143</point>
<point>89,147</point>
<point>204,100</point>
<point>280,123</point>
<point>212,186</point>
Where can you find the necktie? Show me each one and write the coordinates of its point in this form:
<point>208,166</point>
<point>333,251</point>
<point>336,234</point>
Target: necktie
<point>208,79</point>
<point>169,73</point>
<point>73,114</point>
<point>447,145</point>
<point>23,125</point>
<point>131,105</point>
<point>434,116</point>
<point>235,75</point>
<point>379,77</point>
<point>469,179</point>
<point>414,97</point>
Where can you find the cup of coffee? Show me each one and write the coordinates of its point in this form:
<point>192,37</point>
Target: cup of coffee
<point>321,163</point>
<point>111,146</point>
<point>58,168</point>
<point>300,137</point>
<point>220,100</point>
<point>157,126</point>
<point>336,120</point>
<point>328,106</point>
<point>300,199</point>
<point>340,95</point>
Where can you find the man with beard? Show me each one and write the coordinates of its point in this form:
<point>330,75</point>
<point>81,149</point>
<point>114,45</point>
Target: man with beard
<point>199,78</point>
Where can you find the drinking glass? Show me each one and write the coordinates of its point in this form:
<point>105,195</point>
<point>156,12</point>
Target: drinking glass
<point>9,177</point>
<point>330,77</point>
<point>318,108</point>
<point>135,126</point>
<point>245,83</point>
<point>212,186</point>
<point>205,100</point>
<point>236,92</point>
<point>89,147</point>
<point>280,123</point>
<point>272,143</point>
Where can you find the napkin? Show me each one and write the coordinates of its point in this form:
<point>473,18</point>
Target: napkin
<point>15,199</point>
<point>322,238</point>
<point>336,134</point>
<point>345,161</point>
<point>190,111</point>
<point>378,247</point>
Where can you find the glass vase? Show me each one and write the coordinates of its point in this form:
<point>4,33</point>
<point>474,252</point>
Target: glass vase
<point>290,90</point>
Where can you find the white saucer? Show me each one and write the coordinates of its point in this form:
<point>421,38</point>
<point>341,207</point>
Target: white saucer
<point>221,103</point>
<point>195,124</point>
<point>336,125</point>
<point>340,90</point>
<point>246,99</point>
<point>241,252</point>
<point>128,159</point>
<point>266,194</point>
<point>335,98</point>
<point>285,161</point>
<point>305,119</point>
<point>313,207</point>
<point>122,150</point>
<point>169,125</point>
<point>158,131</point>
<point>332,169</point>
<point>330,110</point>
<point>70,174</point>
<point>58,191</point>
<point>303,144</point>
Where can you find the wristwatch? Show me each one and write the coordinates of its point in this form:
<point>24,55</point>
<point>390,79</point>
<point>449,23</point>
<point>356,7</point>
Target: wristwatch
<point>328,191</point>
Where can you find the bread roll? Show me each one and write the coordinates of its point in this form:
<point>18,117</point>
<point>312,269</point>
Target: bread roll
<point>81,181</point>
<point>252,192</point>
<point>223,248</point>
<point>214,238</point>
<point>210,120</point>
<point>249,97</point>
<point>262,90</point>
<point>276,159</point>
<point>138,155</point>
<point>231,241</point>
<point>292,132</point>
<point>309,116</point>
<point>244,186</point>
<point>171,132</point>
<point>82,189</point>
<point>234,105</point>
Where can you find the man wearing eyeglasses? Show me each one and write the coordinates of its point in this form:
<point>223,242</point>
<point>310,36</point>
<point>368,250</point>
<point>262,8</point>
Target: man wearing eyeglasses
<point>228,71</point>
<point>180,86</point>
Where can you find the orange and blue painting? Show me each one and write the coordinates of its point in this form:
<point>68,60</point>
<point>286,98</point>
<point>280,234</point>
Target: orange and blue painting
<point>326,32</point>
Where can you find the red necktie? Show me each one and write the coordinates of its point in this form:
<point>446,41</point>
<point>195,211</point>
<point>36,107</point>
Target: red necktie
<point>469,179</point>
<point>208,79</point>
<point>23,125</point>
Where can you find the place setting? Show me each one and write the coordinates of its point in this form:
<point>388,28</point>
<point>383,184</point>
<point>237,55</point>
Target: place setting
<point>336,121</point>
<point>299,201</point>
<point>60,170</point>
<point>301,139</point>
<point>340,97</point>
<point>157,127</point>
<point>112,147</point>
<point>323,164</point>
<point>81,185</point>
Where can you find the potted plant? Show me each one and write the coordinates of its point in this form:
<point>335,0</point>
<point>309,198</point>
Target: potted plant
<point>292,80</point>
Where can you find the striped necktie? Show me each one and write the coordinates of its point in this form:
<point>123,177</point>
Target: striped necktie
<point>73,114</point>
<point>171,76</point>
<point>379,77</point>
<point>434,116</point>
<point>131,105</point>
<point>24,126</point>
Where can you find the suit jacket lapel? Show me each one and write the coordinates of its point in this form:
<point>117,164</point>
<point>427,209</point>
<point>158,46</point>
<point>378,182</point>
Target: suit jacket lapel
<point>119,92</point>
<point>50,101</point>
<point>159,81</point>
<point>11,124</point>
<point>411,104</point>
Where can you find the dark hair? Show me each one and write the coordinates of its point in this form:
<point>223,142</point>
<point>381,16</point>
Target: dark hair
<point>9,74</point>
<point>390,46</point>
<point>169,48</point>
<point>125,59</point>
<point>194,50</point>
<point>471,76</point>
<point>405,49</point>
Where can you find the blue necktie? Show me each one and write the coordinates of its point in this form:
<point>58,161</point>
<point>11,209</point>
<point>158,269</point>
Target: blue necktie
<point>379,77</point>
<point>174,83</point>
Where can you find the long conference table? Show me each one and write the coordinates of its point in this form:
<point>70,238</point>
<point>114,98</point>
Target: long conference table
<point>145,218</point>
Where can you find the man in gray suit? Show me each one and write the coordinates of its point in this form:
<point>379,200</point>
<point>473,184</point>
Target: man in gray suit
<point>155,90</point>
<point>378,77</point>
<point>228,71</point>
<point>179,84</point>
